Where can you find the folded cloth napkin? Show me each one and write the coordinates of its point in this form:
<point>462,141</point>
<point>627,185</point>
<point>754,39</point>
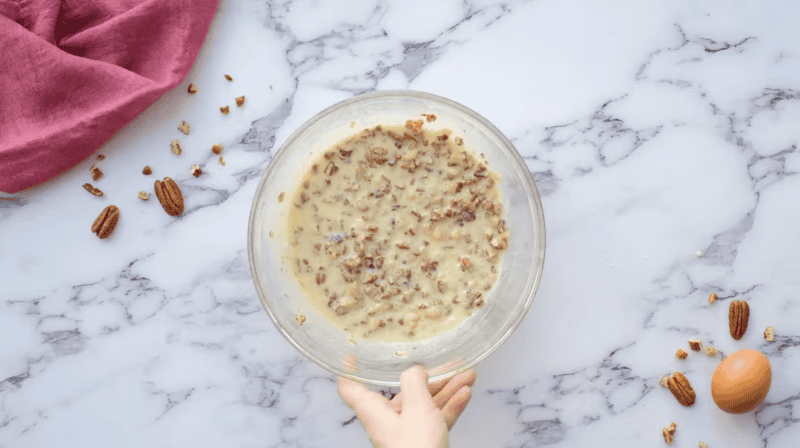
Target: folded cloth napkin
<point>73,72</point>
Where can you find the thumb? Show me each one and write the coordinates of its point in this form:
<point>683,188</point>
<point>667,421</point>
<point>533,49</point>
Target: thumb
<point>414,385</point>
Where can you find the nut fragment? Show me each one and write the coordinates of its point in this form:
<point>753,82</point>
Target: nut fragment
<point>711,351</point>
<point>225,109</point>
<point>712,297</point>
<point>664,381</point>
<point>669,432</point>
<point>679,386</point>
<point>216,149</point>
<point>196,170</point>
<point>192,88</point>
<point>667,436</point>
<point>281,196</point>
<point>240,101</point>
<point>176,147</point>
<point>147,171</point>
<point>681,354</point>
<point>184,127</point>
<point>769,334</point>
<point>96,173</point>
<point>222,161</point>
<point>300,318</point>
<point>92,190</point>
<point>106,222</point>
<point>143,195</point>
<point>170,196</point>
<point>695,344</point>
<point>228,77</point>
<point>738,316</point>
<point>100,157</point>
<point>331,169</point>
<point>703,445</point>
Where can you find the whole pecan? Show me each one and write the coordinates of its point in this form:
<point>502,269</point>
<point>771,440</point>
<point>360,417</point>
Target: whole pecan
<point>681,389</point>
<point>738,315</point>
<point>105,224</point>
<point>170,196</point>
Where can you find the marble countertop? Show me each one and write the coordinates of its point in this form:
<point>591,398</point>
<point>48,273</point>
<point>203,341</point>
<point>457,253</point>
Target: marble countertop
<point>654,131</point>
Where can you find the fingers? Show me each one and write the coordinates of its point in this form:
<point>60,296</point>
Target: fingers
<point>433,388</point>
<point>414,385</point>
<point>370,407</point>
<point>441,390</point>
<point>455,406</point>
<point>457,382</point>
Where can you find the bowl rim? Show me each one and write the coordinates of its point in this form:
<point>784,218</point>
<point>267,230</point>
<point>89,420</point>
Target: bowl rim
<point>535,198</point>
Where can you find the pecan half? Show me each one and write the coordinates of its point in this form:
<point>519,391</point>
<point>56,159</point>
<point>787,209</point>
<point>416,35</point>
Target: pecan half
<point>681,389</point>
<point>105,224</point>
<point>738,315</point>
<point>170,196</point>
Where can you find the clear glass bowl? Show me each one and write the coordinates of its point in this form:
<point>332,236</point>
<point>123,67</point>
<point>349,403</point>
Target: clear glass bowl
<point>381,363</point>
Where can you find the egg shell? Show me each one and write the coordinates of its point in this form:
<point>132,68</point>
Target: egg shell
<point>741,381</point>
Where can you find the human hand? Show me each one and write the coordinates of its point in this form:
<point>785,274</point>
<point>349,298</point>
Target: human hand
<point>420,416</point>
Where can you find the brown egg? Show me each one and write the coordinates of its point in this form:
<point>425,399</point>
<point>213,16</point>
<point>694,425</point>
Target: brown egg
<point>741,381</point>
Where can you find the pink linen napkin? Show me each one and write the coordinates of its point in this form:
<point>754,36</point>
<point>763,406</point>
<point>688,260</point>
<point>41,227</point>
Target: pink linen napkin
<point>73,72</point>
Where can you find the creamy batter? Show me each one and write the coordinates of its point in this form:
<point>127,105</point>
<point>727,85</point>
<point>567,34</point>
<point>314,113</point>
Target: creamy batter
<point>397,232</point>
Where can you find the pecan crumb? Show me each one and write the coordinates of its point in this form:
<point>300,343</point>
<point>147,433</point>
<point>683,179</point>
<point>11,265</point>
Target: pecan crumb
<point>92,190</point>
<point>222,161</point>
<point>669,432</point>
<point>703,444</point>
<point>192,88</point>
<point>665,381</point>
<point>176,147</point>
<point>300,318</point>
<point>147,171</point>
<point>96,173</point>
<point>196,171</point>
<point>711,351</point>
<point>225,109</point>
<point>240,101</point>
<point>100,157</point>
<point>695,344</point>
<point>712,297</point>
<point>217,149</point>
<point>143,195</point>
<point>184,127</point>
<point>281,196</point>
<point>681,354</point>
<point>228,77</point>
<point>769,334</point>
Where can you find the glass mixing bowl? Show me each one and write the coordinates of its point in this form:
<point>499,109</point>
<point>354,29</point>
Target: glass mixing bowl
<point>381,363</point>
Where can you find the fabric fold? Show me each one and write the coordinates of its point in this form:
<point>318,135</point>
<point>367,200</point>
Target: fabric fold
<point>74,72</point>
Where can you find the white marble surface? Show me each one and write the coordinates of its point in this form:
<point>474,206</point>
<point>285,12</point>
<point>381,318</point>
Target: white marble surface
<point>653,130</point>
